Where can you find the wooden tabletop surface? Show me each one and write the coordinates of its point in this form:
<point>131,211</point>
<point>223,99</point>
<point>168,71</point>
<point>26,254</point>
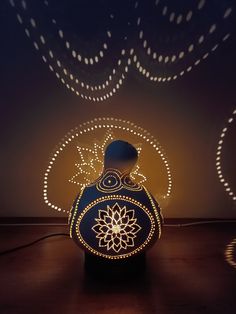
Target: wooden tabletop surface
<point>186,272</point>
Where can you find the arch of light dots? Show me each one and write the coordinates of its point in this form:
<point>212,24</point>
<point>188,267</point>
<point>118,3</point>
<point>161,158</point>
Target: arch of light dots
<point>219,158</point>
<point>229,253</point>
<point>180,54</point>
<point>178,17</point>
<point>98,124</point>
<point>129,57</point>
<point>71,78</point>
<point>41,41</point>
<point>185,70</point>
<point>79,56</point>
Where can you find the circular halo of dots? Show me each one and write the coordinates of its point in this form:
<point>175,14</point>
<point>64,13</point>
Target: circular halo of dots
<point>106,123</point>
<point>219,170</point>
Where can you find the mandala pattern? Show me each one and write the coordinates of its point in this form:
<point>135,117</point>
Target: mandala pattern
<point>116,228</point>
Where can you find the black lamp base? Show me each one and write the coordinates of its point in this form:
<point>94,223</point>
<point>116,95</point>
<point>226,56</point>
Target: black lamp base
<point>100,267</point>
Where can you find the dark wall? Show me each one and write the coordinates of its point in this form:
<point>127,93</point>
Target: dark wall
<point>186,116</point>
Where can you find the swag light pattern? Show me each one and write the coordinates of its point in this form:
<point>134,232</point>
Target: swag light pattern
<point>153,65</point>
<point>230,255</point>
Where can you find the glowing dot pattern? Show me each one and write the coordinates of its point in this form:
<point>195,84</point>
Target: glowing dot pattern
<point>106,124</point>
<point>230,253</point>
<point>88,60</point>
<point>178,55</point>
<point>91,168</point>
<point>176,17</point>
<point>110,85</point>
<point>147,74</point>
<point>219,158</point>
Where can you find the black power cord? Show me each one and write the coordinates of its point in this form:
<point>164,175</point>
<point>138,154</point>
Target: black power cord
<point>67,235</point>
<point>33,242</point>
<point>204,222</point>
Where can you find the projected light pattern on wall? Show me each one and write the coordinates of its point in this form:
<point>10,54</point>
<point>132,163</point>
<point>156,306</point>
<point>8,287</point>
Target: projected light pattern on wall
<point>177,17</point>
<point>90,164</point>
<point>219,166</point>
<point>156,60</point>
<point>126,128</point>
<point>230,253</point>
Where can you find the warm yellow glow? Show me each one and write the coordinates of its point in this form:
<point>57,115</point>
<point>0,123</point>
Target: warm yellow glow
<point>90,164</point>
<point>106,124</point>
<point>135,228</point>
<point>120,225</point>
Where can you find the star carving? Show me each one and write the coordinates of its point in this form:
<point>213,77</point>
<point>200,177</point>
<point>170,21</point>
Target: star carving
<point>90,163</point>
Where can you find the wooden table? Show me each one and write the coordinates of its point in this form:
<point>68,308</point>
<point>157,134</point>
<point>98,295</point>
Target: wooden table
<point>186,273</point>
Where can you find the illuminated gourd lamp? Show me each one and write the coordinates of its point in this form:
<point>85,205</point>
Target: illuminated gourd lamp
<point>115,219</point>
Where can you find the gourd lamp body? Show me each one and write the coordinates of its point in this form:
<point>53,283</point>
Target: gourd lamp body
<point>115,218</point>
